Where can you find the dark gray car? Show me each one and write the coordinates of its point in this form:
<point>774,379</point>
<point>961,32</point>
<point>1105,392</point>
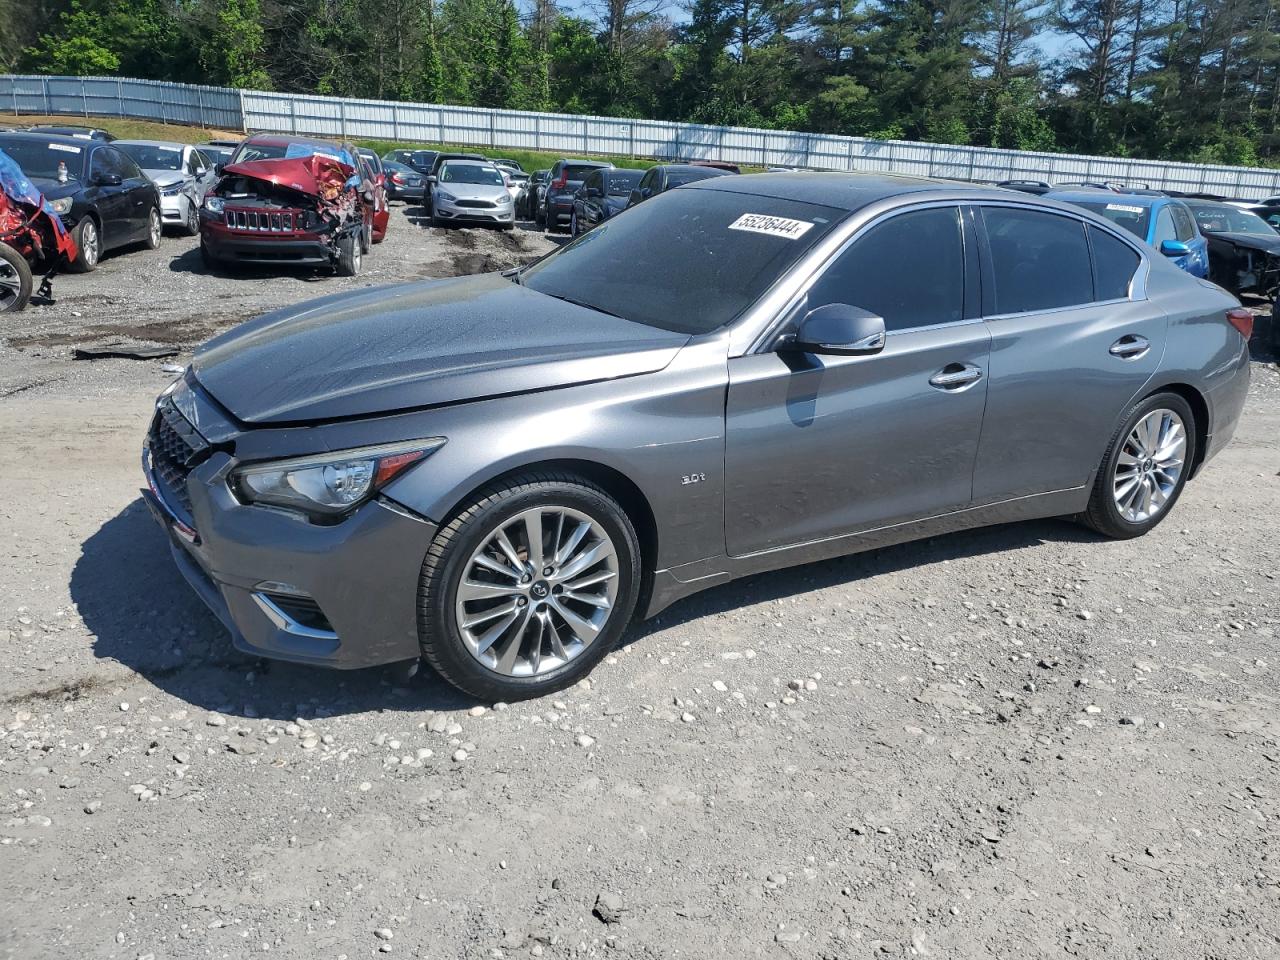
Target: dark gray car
<point>496,472</point>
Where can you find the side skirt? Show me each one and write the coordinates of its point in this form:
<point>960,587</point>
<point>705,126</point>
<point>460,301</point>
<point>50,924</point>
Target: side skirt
<point>676,583</point>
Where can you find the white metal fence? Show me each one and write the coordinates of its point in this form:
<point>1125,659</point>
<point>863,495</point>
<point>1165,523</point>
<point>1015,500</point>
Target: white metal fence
<point>252,110</point>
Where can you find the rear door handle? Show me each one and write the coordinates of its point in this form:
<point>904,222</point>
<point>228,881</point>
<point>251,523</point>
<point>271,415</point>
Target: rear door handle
<point>955,377</point>
<point>1130,347</point>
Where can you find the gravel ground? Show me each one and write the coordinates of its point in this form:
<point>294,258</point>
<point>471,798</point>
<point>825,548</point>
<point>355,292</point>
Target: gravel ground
<point>1017,742</point>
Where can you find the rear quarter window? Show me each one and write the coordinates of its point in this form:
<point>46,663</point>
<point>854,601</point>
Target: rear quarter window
<point>1115,263</point>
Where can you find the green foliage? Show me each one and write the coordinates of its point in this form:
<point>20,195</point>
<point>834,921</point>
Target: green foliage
<point>1179,79</point>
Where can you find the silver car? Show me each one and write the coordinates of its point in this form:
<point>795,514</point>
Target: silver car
<point>471,191</point>
<point>497,472</point>
<point>181,172</point>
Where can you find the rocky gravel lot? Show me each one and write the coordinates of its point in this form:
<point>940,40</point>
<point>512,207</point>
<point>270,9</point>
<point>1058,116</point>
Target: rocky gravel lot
<point>1017,742</point>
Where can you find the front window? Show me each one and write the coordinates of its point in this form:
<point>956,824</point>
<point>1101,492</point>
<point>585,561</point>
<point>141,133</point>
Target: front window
<point>719,253</point>
<point>471,173</point>
<point>1221,218</point>
<point>150,157</point>
<point>40,159</point>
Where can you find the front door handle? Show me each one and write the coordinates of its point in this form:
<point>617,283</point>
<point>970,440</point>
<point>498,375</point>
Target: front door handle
<point>955,377</point>
<point>1130,347</point>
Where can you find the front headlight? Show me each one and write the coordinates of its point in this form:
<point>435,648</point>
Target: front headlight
<point>329,484</point>
<point>172,190</point>
<point>61,206</point>
<point>445,196</point>
<point>213,204</point>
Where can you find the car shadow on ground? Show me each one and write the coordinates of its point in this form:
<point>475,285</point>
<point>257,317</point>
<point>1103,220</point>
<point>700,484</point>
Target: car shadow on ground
<point>143,615</point>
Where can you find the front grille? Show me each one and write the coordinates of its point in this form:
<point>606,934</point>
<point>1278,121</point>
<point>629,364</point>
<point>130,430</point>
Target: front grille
<point>476,203</point>
<point>263,221</point>
<point>176,449</point>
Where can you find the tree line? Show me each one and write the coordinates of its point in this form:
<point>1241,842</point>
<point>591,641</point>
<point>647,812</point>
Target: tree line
<point>1195,80</point>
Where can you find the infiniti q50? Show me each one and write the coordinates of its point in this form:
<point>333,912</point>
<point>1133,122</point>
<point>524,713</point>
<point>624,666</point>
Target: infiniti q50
<point>497,473</point>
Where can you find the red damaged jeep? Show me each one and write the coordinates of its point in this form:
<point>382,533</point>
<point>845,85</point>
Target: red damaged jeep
<point>289,200</point>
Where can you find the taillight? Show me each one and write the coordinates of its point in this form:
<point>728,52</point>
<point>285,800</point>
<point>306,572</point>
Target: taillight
<point>1242,320</point>
<point>561,181</point>
<point>396,178</point>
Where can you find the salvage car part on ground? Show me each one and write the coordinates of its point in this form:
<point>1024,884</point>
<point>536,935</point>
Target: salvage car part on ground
<point>495,472</point>
<point>30,234</point>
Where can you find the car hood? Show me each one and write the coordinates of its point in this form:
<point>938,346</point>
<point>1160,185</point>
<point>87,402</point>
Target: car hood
<point>417,345</point>
<point>165,178</point>
<point>474,191</point>
<point>53,190</point>
<point>1252,241</point>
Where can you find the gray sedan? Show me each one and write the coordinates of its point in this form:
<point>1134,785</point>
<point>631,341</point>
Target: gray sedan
<point>497,472</point>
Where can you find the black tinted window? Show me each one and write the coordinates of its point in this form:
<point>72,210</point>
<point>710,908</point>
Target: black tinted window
<point>1114,264</point>
<point>718,253</point>
<point>577,173</point>
<point>1040,260</point>
<point>1183,223</point>
<point>909,270</point>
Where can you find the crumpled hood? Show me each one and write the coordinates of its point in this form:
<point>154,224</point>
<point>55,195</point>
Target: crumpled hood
<point>316,175</point>
<point>165,178</point>
<point>1253,241</point>
<point>418,345</point>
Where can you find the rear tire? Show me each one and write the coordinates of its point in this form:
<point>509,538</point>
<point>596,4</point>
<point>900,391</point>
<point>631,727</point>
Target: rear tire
<point>1135,487</point>
<point>15,280</point>
<point>555,636</point>
<point>349,255</point>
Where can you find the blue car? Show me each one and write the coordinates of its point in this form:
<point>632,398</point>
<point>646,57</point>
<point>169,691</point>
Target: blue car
<point>1164,222</point>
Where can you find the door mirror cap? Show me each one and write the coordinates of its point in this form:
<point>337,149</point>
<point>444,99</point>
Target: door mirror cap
<point>1174,248</point>
<point>634,198</point>
<point>431,178</point>
<point>840,329</point>
<point>108,180</point>
<point>217,168</point>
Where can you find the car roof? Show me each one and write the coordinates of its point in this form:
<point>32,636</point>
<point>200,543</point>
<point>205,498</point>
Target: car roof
<point>149,143</point>
<point>284,139</point>
<point>468,162</point>
<point>584,163</point>
<point>66,141</point>
<point>848,191</point>
<point>1110,196</point>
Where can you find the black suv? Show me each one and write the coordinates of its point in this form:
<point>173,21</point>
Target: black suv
<point>563,181</point>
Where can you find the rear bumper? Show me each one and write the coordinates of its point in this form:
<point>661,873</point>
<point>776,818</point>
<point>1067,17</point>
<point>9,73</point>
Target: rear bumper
<point>560,211</point>
<point>247,563</point>
<point>299,248</point>
<point>1226,397</point>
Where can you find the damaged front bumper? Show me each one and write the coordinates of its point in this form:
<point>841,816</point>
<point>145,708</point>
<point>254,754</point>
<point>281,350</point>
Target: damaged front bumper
<point>341,596</point>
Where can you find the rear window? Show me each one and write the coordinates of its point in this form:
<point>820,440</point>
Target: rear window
<point>578,171</point>
<point>622,182</point>
<point>678,177</point>
<point>1040,260</point>
<point>719,253</point>
<point>1132,216</point>
<point>1114,265</point>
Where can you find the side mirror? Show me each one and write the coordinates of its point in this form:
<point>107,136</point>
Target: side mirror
<point>201,171</point>
<point>431,178</point>
<point>840,329</point>
<point>1174,248</point>
<point>217,168</point>
<point>634,198</point>
<point>108,180</point>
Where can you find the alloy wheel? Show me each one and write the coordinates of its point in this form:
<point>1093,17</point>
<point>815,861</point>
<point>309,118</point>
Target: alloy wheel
<point>89,243</point>
<point>537,592</point>
<point>1149,465</point>
<point>193,219</point>
<point>154,228</point>
<point>10,285</point>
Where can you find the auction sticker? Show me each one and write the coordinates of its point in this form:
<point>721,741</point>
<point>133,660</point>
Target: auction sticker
<point>773,226</point>
<point>1125,208</point>
<point>63,148</point>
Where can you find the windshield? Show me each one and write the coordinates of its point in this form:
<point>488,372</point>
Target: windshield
<point>471,173</point>
<point>40,159</point>
<point>622,182</point>
<point>1220,218</point>
<point>153,158</point>
<point>1131,216</point>
<point>717,253</point>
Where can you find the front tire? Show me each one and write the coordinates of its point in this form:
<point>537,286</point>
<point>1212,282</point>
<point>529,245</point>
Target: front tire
<point>528,587</point>
<point>15,280</point>
<point>349,255</point>
<point>1144,469</point>
<point>88,240</point>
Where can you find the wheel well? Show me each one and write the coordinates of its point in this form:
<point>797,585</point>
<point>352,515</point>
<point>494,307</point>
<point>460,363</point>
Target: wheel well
<point>618,485</point>
<point>1200,410</point>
